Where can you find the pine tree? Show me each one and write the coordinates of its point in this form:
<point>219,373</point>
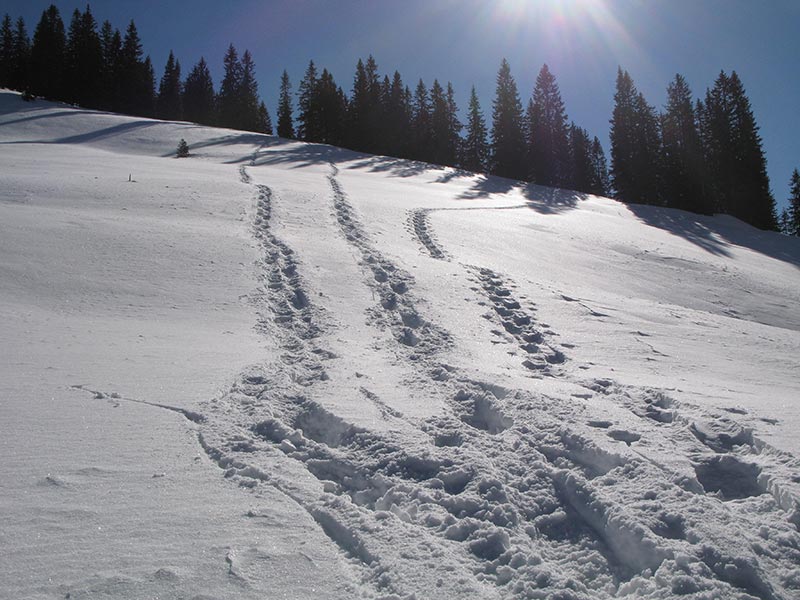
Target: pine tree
<point>6,52</point>
<point>198,95</point>
<point>285,125</point>
<point>548,142</point>
<point>580,148</point>
<point>635,145</point>
<point>601,185</point>
<point>475,151</point>
<point>47,55</point>
<point>508,140</point>
<point>683,169</point>
<point>330,110</point>
<point>21,56</point>
<point>111,51</point>
<point>264,121</point>
<point>365,107</point>
<point>440,126</point>
<point>84,60</point>
<point>168,103</point>
<point>308,120</point>
<point>136,77</point>
<point>396,118</point>
<point>421,125</point>
<point>228,100</point>
<point>734,156</point>
<point>793,212</point>
<point>250,117</point>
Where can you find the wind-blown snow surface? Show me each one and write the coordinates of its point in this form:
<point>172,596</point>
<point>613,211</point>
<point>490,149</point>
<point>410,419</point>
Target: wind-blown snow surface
<point>290,371</point>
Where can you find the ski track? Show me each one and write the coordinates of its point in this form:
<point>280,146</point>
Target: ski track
<point>514,494</point>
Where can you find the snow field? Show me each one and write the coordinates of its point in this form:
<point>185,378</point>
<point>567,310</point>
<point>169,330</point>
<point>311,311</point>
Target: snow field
<point>417,395</point>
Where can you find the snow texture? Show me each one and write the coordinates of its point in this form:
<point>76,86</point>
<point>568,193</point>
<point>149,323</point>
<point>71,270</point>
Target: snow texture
<point>276,369</point>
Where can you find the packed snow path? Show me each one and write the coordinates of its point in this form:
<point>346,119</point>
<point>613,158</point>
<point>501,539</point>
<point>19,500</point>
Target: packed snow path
<point>504,492</point>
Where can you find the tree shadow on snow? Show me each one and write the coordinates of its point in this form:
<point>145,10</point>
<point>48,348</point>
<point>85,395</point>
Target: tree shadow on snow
<point>542,199</point>
<point>718,234</point>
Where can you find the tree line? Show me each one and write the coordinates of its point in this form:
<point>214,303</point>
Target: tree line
<point>703,156</point>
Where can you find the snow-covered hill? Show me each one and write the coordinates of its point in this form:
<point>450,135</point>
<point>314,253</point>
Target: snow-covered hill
<point>280,370</point>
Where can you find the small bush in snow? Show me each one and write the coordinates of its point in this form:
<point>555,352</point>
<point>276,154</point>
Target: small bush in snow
<point>183,149</point>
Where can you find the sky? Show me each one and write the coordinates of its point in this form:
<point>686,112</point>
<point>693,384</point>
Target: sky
<point>463,41</point>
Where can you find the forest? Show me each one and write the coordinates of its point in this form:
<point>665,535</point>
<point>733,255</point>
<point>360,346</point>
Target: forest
<point>702,155</point>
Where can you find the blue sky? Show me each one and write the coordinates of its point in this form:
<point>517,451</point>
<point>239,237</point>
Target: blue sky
<point>463,41</point>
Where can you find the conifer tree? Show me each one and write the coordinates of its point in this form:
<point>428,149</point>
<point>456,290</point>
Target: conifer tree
<point>548,142</point>
<point>229,92</point>
<point>421,124</point>
<point>168,104</point>
<point>330,110</point>
<point>21,48</point>
<point>47,55</point>
<point>508,140</point>
<point>307,120</point>
<point>580,148</point>
<point>792,226</point>
<point>683,170</point>
<point>250,117</point>
<point>135,76</point>
<point>264,122</point>
<point>365,107</point>
<point>441,150</point>
<point>734,156</point>
<point>285,125</point>
<point>395,117</point>
<point>601,185</point>
<point>635,145</point>
<point>111,51</point>
<point>198,95</point>
<point>84,60</point>
<point>6,52</point>
<point>475,151</point>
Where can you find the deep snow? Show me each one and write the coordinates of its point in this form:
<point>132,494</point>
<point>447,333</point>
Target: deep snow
<point>276,369</point>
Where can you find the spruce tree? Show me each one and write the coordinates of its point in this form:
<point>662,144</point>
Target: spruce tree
<point>635,145</point>
<point>475,151</point>
<point>111,51</point>
<point>21,49</point>
<point>47,55</point>
<point>421,134</point>
<point>136,77</point>
<point>793,212</point>
<point>285,125</point>
<point>440,126</point>
<point>330,110</point>
<point>508,140</point>
<point>6,52</point>
<point>168,104</point>
<point>734,156</point>
<point>84,60</point>
<point>365,107</point>
<point>396,118</point>
<point>250,116</point>
<point>548,141</point>
<point>228,100</point>
<point>307,119</point>
<point>601,185</point>
<point>580,148</point>
<point>264,122</point>
<point>683,167</point>
<point>198,95</point>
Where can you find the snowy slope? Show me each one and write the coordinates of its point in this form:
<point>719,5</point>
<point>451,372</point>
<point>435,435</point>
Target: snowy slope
<point>285,370</point>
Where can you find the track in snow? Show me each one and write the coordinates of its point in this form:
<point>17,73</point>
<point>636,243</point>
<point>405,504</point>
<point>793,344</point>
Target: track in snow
<point>507,494</point>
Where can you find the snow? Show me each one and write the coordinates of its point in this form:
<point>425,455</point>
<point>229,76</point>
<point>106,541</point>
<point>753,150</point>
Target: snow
<point>283,370</point>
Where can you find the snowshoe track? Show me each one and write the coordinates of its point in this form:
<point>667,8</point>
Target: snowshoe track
<point>508,493</point>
